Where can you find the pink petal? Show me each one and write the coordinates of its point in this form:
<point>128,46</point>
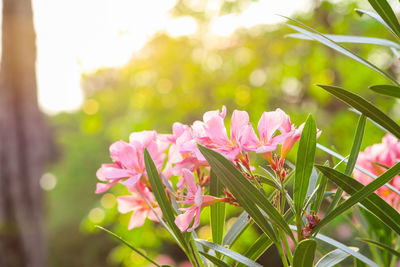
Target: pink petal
<point>249,139</point>
<point>132,181</point>
<point>264,149</point>
<point>209,114</point>
<point>137,218</point>
<point>153,217</point>
<point>268,124</point>
<point>196,220</point>
<point>198,198</point>
<point>190,180</point>
<point>217,131</point>
<point>184,220</point>
<point>143,137</point>
<point>127,203</point>
<point>101,187</point>
<point>240,119</point>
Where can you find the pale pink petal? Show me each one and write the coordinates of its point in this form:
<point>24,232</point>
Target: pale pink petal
<point>137,218</point>
<point>144,137</point>
<point>196,220</point>
<point>217,131</point>
<point>268,124</point>
<point>101,174</point>
<point>249,139</point>
<point>184,220</point>
<point>101,187</point>
<point>128,203</point>
<point>264,149</point>
<point>198,198</point>
<point>114,173</point>
<point>209,114</point>
<point>153,217</point>
<point>132,181</point>
<point>240,119</point>
<point>190,180</point>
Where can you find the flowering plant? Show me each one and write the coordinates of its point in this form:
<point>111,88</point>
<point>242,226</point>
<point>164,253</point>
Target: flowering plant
<point>214,169</point>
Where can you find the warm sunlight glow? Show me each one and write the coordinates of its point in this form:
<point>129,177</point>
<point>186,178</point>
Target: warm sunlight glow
<point>74,37</point>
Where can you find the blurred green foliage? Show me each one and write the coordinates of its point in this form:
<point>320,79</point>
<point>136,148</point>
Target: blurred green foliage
<point>170,80</point>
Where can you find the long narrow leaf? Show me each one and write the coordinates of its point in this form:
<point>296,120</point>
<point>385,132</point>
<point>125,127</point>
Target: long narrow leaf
<point>229,253</point>
<point>304,164</point>
<point>376,205</point>
<point>129,245</point>
<point>384,10</point>
<point>217,210</point>
<point>350,39</point>
<point>162,199</point>
<point>334,257</point>
<point>304,253</point>
<point>214,260</point>
<point>238,227</point>
<point>248,196</point>
<point>257,249</point>
<point>381,246</point>
<point>342,247</point>
<point>365,107</point>
<point>311,33</point>
<point>355,149</point>
<point>375,17</point>
<point>322,181</point>
<point>385,89</point>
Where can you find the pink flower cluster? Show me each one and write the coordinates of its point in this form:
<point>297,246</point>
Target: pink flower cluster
<point>386,154</point>
<point>185,160</point>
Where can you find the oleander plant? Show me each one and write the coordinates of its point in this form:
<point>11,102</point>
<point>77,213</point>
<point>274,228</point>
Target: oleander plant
<point>172,178</point>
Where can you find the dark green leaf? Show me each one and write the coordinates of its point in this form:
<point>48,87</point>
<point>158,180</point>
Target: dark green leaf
<point>381,246</point>
<point>385,89</point>
<point>384,10</point>
<point>373,202</point>
<point>365,107</point>
<point>217,210</point>
<point>355,149</point>
<point>162,199</point>
<point>304,253</point>
<point>332,258</point>
<point>248,196</point>
<point>129,245</point>
<point>229,253</point>
<point>304,164</point>
<point>214,260</point>
<point>322,181</point>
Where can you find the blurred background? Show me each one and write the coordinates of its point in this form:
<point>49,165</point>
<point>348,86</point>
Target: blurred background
<point>107,68</point>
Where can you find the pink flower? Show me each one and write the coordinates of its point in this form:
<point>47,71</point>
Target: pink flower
<point>195,198</point>
<point>139,206</point>
<point>386,153</point>
<point>128,167</point>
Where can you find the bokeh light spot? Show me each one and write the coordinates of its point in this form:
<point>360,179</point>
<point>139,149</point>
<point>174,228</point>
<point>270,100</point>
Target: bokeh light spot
<point>108,200</point>
<point>48,181</point>
<point>96,215</point>
<point>90,106</point>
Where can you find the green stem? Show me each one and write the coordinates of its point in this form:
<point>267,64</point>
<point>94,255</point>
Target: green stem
<point>282,254</point>
<point>287,247</point>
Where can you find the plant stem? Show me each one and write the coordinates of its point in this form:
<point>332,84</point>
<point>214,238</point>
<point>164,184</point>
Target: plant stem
<point>283,256</point>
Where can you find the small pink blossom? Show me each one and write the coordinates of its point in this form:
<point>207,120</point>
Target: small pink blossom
<point>386,153</point>
<point>128,166</point>
<point>195,198</point>
<point>139,206</point>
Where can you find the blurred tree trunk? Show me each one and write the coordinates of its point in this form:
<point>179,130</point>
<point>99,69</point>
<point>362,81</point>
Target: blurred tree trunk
<point>24,142</point>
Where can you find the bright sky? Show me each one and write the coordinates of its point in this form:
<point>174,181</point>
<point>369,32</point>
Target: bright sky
<point>78,36</point>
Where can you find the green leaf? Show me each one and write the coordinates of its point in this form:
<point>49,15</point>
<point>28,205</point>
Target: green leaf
<point>217,210</point>
<point>385,89</point>
<point>313,34</point>
<point>355,149</point>
<point>268,181</point>
<point>229,253</point>
<point>334,257</point>
<point>376,17</point>
<point>214,260</point>
<point>162,200</point>
<point>248,196</point>
<point>304,253</point>
<point>129,245</point>
<point>342,247</point>
<point>258,248</point>
<point>238,227</point>
<point>350,39</point>
<point>376,205</point>
<point>365,107</point>
<point>304,164</point>
<point>381,246</point>
<point>322,181</point>
<point>384,10</point>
